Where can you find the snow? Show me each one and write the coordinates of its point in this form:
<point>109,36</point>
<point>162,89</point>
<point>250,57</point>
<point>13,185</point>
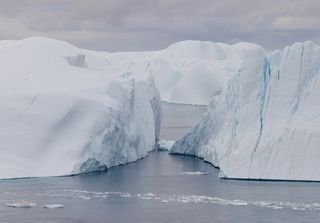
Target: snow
<point>64,110</point>
<point>165,145</point>
<point>264,125</point>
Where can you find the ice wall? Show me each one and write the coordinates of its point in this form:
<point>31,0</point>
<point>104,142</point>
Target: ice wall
<point>265,125</point>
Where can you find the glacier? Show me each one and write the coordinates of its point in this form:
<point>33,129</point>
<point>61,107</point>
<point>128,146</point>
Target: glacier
<point>265,124</point>
<point>64,111</point>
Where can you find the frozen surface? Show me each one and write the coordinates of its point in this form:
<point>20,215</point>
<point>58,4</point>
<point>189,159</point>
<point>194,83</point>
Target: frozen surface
<point>265,125</point>
<point>63,111</point>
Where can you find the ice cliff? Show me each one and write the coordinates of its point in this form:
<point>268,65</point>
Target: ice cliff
<point>64,110</point>
<point>265,124</point>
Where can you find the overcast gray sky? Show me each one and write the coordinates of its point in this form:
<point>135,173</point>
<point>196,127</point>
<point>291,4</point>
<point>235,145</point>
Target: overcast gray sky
<point>122,25</point>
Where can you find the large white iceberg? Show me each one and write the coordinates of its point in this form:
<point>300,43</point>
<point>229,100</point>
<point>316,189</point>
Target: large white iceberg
<point>188,72</point>
<point>266,124</point>
<point>63,111</point>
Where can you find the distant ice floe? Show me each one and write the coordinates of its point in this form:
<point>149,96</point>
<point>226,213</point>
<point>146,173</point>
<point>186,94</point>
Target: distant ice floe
<point>194,173</point>
<point>84,197</point>
<point>166,199</point>
<point>21,204</point>
<point>53,206</point>
<point>194,199</point>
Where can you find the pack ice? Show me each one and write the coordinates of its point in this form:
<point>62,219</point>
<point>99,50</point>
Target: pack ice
<point>64,110</point>
<point>265,125</point>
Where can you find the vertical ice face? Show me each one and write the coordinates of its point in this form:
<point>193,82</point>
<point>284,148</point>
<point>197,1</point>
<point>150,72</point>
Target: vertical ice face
<point>265,124</point>
<point>289,145</point>
<point>130,131</point>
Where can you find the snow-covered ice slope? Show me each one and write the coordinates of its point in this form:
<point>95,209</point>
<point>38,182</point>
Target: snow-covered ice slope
<point>188,72</point>
<point>265,125</point>
<point>63,111</point>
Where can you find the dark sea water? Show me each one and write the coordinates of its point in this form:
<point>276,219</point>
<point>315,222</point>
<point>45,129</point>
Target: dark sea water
<point>159,189</point>
<point>178,119</point>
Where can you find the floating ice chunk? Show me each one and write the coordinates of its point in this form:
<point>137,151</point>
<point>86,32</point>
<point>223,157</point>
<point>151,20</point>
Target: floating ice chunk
<point>21,204</point>
<point>164,201</point>
<point>125,195</point>
<point>238,203</point>
<point>194,173</point>
<point>53,206</point>
<point>84,197</point>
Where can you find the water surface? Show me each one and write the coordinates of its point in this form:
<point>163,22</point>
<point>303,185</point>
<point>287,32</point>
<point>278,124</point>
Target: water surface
<point>178,119</point>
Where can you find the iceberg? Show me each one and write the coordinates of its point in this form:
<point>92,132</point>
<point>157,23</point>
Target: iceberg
<point>194,173</point>
<point>165,145</point>
<point>265,124</point>
<point>64,111</point>
<point>187,72</point>
<point>21,204</point>
<point>53,206</point>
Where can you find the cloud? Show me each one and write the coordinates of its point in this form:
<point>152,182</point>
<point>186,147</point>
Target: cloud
<point>297,23</point>
<point>115,25</point>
